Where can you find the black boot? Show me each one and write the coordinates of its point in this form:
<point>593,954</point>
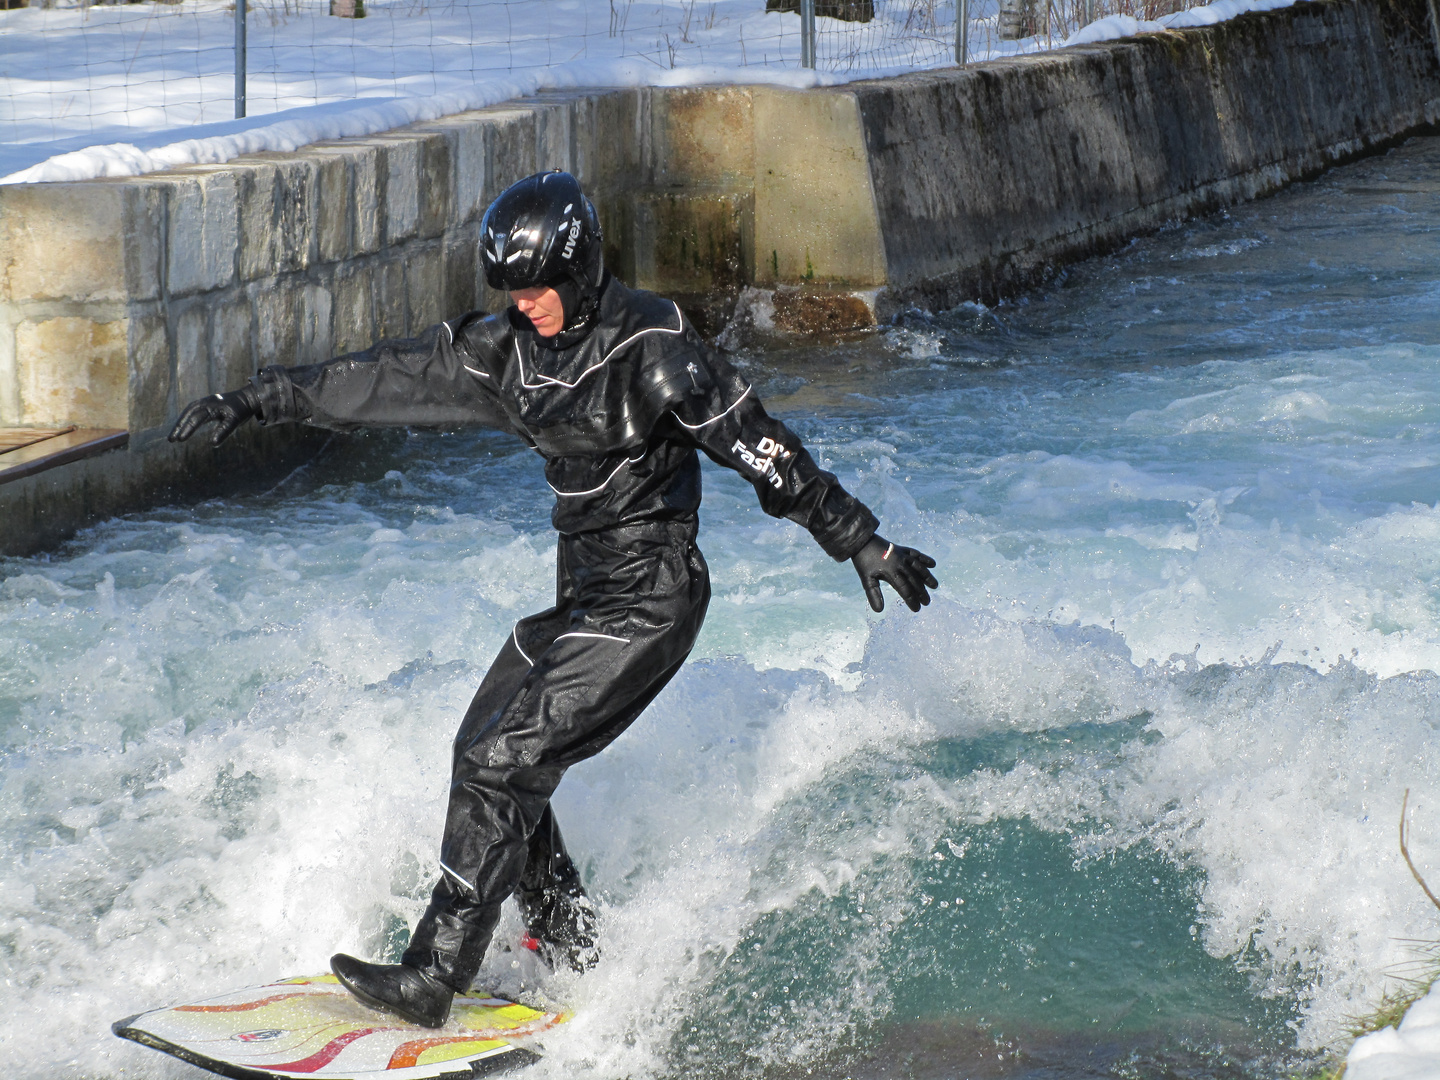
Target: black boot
<point>560,924</point>
<point>411,993</point>
<point>559,917</point>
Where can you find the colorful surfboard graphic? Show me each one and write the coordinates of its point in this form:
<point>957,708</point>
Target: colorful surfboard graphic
<point>312,1027</point>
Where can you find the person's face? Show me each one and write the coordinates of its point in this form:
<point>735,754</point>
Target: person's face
<point>542,306</point>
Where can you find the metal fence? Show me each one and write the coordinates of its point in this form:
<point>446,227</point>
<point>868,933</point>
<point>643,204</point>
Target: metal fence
<point>75,70</point>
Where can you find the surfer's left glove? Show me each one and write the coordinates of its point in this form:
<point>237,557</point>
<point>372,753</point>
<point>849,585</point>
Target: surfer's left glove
<point>906,570</point>
<point>228,411</point>
<point>413,994</point>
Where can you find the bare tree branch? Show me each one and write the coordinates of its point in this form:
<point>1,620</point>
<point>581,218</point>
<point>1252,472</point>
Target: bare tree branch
<point>1405,851</point>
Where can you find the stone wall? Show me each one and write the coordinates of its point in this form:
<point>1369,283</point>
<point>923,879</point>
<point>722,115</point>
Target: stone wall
<point>985,178</point>
<point>122,300</point>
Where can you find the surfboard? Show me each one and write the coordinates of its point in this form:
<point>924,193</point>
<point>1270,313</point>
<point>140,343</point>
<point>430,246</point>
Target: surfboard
<point>312,1027</point>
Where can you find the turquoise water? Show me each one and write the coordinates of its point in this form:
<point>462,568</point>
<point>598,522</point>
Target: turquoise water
<point>1120,803</point>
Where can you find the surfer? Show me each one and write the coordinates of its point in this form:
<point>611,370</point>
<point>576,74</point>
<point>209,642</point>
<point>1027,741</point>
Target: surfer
<point>617,392</point>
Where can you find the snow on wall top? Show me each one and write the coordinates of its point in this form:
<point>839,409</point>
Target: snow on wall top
<point>53,133</point>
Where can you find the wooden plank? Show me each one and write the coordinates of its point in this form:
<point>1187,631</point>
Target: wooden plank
<point>15,438</point>
<point>58,450</point>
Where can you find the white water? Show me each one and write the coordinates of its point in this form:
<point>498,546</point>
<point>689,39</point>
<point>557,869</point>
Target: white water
<point>1153,733</point>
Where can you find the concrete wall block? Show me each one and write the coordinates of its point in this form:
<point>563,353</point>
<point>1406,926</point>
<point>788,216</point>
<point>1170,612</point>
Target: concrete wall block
<point>985,177</point>
<point>509,148</point>
<point>9,375</point>
<point>583,137</point>
<point>553,127</point>
<point>703,136</point>
<point>815,215</point>
<point>425,285</point>
<point>74,371</point>
<point>62,242</point>
<point>203,230</point>
<point>144,219</point>
<point>151,400</point>
<point>602,142</point>
<point>315,335</point>
<point>492,300</point>
<point>465,136</point>
<point>367,189</point>
<point>297,213</point>
<point>437,184</point>
<point>390,298</point>
<point>403,177</point>
<point>462,272</point>
<point>257,186</point>
<point>470,202</point>
<point>335,206</point>
<point>619,213</point>
<point>354,308</point>
<point>693,243</point>
<point>276,324</point>
<point>364,184</point>
<point>191,324</point>
<point>278,202</point>
<point>232,344</point>
<point>607,141</point>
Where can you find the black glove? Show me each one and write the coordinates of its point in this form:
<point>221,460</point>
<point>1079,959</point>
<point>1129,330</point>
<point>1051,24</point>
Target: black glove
<point>907,571</point>
<point>228,411</point>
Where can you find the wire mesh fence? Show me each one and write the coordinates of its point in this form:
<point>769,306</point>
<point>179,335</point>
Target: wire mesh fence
<point>73,68</point>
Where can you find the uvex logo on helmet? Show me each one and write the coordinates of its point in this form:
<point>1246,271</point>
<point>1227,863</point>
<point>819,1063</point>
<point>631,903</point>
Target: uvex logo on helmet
<point>574,228</point>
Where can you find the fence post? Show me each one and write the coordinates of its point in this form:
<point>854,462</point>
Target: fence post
<point>239,59</point>
<point>962,32</point>
<point>807,33</point>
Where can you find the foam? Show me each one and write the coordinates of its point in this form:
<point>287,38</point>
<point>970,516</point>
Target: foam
<point>233,841</point>
<point>227,726</point>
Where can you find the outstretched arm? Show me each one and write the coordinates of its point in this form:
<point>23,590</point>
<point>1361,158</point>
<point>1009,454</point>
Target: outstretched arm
<point>445,378</point>
<point>722,414</point>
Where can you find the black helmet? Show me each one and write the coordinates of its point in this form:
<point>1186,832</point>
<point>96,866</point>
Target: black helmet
<point>542,231</point>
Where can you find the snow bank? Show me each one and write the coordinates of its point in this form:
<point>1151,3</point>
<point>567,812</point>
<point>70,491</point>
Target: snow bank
<point>136,149</point>
<point>1113,27</point>
<point>218,143</point>
<point>1409,1052</point>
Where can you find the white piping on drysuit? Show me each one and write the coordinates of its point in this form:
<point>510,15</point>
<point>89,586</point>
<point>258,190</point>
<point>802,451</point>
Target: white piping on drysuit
<point>603,483</point>
<point>463,883</point>
<point>546,380</point>
<point>720,416</point>
<point>515,638</point>
<point>473,371</point>
<point>586,633</point>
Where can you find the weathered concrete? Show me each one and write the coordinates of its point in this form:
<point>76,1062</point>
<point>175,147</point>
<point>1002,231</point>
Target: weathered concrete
<point>986,177</point>
<point>121,300</point>
<point>964,183</point>
<point>815,211</point>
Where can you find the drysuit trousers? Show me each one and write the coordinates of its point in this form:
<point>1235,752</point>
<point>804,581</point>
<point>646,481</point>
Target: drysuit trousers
<point>629,604</point>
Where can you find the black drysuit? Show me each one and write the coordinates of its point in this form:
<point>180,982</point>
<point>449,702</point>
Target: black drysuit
<point>617,416</point>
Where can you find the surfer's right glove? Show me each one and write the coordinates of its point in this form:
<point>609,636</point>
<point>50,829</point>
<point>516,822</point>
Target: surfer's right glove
<point>228,411</point>
<point>906,570</point>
